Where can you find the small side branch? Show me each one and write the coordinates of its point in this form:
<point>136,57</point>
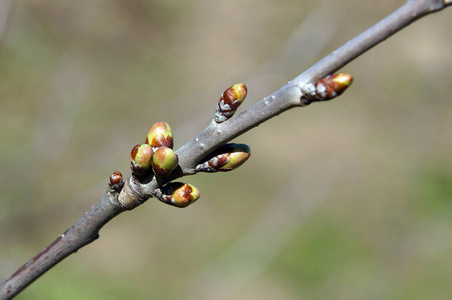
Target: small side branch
<point>291,95</point>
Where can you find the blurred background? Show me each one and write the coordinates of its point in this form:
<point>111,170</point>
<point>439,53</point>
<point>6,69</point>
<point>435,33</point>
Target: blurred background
<point>359,206</point>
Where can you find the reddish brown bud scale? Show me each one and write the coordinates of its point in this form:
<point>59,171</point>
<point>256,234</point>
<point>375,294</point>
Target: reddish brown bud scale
<point>160,135</point>
<point>329,87</point>
<point>218,161</point>
<point>141,159</point>
<point>115,178</point>
<point>229,101</point>
<point>164,161</point>
<point>116,181</point>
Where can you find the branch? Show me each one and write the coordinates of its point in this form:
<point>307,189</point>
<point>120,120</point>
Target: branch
<point>121,197</point>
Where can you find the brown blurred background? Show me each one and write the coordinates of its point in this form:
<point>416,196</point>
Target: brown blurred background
<point>351,199</point>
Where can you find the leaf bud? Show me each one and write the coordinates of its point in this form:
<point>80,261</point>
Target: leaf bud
<point>330,87</point>
<point>179,194</point>
<point>141,159</point>
<point>160,135</point>
<point>229,101</point>
<point>116,182</point>
<point>226,158</point>
<point>164,161</point>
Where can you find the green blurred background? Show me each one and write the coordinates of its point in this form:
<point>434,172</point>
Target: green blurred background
<point>351,199</point>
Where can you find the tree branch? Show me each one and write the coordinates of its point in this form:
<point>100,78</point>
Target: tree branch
<point>137,191</point>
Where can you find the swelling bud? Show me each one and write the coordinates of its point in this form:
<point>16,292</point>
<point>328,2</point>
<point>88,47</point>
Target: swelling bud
<point>329,87</point>
<point>164,161</point>
<point>226,158</point>
<point>179,194</point>
<point>141,159</point>
<point>229,101</point>
<point>160,135</point>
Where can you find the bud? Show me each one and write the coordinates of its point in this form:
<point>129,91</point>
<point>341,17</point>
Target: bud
<point>330,87</point>
<point>160,135</point>
<point>164,161</point>
<point>179,194</point>
<point>116,182</point>
<point>141,159</point>
<point>226,158</point>
<point>229,101</point>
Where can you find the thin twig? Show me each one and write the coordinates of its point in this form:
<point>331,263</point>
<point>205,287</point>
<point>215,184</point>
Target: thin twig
<point>289,96</point>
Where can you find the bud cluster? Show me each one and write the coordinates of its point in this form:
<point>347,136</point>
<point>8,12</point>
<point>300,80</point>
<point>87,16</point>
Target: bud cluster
<point>157,157</point>
<point>156,154</point>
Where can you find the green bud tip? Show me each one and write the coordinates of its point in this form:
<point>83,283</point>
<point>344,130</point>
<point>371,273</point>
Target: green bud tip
<point>239,91</point>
